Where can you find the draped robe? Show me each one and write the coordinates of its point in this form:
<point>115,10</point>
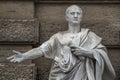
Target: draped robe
<point>69,66</point>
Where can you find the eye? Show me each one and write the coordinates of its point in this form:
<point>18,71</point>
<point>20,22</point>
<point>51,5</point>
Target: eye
<point>72,13</point>
<point>78,13</point>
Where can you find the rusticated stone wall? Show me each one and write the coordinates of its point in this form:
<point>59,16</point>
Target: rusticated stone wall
<point>21,31</point>
<point>10,71</point>
<point>114,57</point>
<point>16,9</point>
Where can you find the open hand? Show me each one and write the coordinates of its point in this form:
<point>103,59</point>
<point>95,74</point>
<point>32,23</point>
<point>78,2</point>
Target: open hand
<point>18,57</point>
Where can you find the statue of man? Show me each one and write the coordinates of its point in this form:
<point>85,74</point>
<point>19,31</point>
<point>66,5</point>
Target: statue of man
<point>77,53</point>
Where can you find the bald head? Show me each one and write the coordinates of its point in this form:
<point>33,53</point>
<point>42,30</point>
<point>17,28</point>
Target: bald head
<point>74,14</point>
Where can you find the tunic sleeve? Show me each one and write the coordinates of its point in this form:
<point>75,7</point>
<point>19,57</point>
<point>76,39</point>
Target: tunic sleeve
<point>48,47</point>
<point>46,50</point>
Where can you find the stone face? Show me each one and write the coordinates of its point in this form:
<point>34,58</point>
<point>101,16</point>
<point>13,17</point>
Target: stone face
<point>6,51</point>
<point>10,71</point>
<point>16,9</point>
<point>103,20</point>
<point>19,31</point>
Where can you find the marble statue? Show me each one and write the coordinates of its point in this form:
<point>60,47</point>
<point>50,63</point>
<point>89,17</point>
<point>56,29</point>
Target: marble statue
<point>78,53</point>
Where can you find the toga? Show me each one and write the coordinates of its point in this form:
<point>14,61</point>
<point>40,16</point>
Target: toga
<point>70,66</point>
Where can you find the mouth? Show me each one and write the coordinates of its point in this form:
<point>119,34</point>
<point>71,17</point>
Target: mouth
<point>76,19</point>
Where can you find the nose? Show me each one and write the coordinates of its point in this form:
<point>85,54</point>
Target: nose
<point>75,15</point>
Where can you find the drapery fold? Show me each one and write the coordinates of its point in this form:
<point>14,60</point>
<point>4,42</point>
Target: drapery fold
<point>69,66</point>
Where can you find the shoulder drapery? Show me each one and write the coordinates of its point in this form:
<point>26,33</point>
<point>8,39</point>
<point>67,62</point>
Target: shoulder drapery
<point>103,67</point>
<point>99,68</point>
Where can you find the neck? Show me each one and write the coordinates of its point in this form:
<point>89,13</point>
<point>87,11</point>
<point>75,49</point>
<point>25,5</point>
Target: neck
<point>74,27</point>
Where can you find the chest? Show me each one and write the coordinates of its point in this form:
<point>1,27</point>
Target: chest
<point>70,39</point>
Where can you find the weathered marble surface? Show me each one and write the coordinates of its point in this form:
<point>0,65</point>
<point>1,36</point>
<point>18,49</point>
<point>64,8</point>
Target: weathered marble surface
<point>19,31</point>
<point>9,71</point>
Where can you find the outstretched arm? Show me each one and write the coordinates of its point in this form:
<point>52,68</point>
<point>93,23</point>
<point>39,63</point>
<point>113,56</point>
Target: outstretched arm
<point>44,49</point>
<point>32,54</point>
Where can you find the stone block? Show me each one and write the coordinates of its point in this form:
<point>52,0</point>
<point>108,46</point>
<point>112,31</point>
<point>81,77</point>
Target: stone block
<point>10,71</point>
<point>108,30</point>
<point>19,31</point>
<point>16,9</point>
<point>43,68</point>
<point>6,51</point>
<point>114,57</point>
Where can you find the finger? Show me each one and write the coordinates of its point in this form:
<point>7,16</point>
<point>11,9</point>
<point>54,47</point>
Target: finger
<point>73,47</point>
<point>15,61</point>
<point>10,57</point>
<point>72,50</point>
<point>77,53</point>
<point>12,60</point>
<point>18,61</point>
<point>16,52</point>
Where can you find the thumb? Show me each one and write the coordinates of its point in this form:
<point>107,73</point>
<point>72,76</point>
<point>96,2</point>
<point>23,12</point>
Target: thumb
<point>17,52</point>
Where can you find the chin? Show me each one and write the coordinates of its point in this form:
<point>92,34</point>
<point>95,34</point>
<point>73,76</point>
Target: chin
<point>76,22</point>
